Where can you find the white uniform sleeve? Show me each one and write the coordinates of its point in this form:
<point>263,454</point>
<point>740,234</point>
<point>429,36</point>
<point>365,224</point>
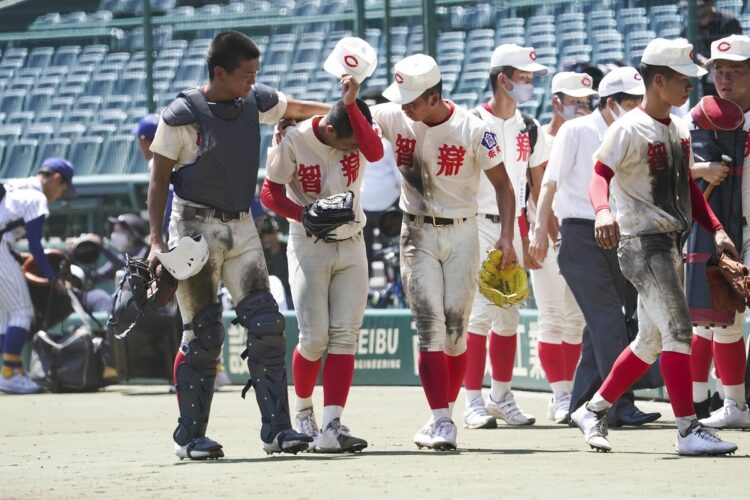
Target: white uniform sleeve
<point>614,148</point>
<point>541,153</point>
<point>170,141</point>
<point>487,151</point>
<point>282,162</point>
<point>33,205</point>
<point>276,113</point>
<point>563,154</point>
<point>380,115</point>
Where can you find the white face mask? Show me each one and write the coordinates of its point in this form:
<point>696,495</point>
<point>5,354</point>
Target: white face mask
<point>569,112</point>
<point>120,241</point>
<point>521,92</point>
<point>620,112</point>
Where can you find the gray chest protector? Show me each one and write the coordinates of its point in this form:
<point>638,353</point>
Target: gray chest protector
<point>226,171</point>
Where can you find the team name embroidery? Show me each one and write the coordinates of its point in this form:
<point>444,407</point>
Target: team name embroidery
<point>350,167</point>
<point>405,148</point>
<point>450,159</point>
<point>309,178</point>
<point>657,157</point>
<point>685,145</point>
<point>523,147</point>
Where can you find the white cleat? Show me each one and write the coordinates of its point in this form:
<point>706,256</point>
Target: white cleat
<point>561,408</point>
<point>288,441</point>
<point>728,416</point>
<point>476,416</point>
<point>19,384</point>
<point>306,424</point>
<point>593,425</point>
<point>336,438</point>
<point>701,440</point>
<point>508,411</point>
<point>200,448</point>
<point>444,435</point>
<point>423,437</point>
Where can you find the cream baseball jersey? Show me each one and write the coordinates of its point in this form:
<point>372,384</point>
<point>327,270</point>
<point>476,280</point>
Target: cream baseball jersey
<point>651,160</point>
<point>440,164</point>
<point>313,170</point>
<point>23,200</point>
<point>517,155</point>
<point>746,169</point>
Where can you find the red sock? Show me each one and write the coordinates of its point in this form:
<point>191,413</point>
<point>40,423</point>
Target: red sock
<point>730,362</point>
<point>178,360</point>
<point>305,374</point>
<point>502,356</point>
<point>476,355</point>
<point>675,369</point>
<point>338,372</point>
<point>571,354</point>
<point>456,366</point>
<point>700,359</point>
<point>625,372</point>
<point>553,361</point>
<point>434,376</point>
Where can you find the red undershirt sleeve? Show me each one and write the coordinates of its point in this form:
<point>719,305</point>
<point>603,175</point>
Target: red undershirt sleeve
<point>702,213</point>
<point>599,186</point>
<point>368,140</point>
<point>272,196</point>
<point>523,224</point>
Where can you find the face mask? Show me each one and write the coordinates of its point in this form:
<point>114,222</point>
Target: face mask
<point>521,92</point>
<point>620,112</point>
<point>569,112</point>
<point>120,241</point>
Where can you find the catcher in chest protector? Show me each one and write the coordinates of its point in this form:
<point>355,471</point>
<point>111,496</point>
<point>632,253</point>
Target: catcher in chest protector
<point>320,162</point>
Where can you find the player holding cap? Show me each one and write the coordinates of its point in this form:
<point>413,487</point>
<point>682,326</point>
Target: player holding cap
<point>730,59</point>
<point>649,155</point>
<point>592,273</point>
<point>322,157</point>
<point>23,204</point>
<point>512,71</point>
<point>441,150</point>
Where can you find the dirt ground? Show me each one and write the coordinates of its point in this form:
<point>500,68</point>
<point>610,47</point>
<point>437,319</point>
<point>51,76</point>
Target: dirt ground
<point>117,444</point>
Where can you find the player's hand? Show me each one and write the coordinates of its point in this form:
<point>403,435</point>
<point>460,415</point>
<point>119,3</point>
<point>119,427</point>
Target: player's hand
<point>529,262</point>
<point>724,244</point>
<point>153,260</point>
<point>280,131</point>
<point>509,254</point>
<point>349,89</point>
<point>538,248</point>
<point>606,230</point>
<point>713,172</point>
<point>58,285</point>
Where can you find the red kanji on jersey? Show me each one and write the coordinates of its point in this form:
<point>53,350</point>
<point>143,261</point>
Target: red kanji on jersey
<point>686,152</point>
<point>523,147</point>
<point>309,178</point>
<point>657,157</point>
<point>747,144</point>
<point>350,167</point>
<point>450,160</point>
<point>405,148</point>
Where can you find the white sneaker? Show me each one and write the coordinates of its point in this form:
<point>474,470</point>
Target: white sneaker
<point>561,408</point>
<point>476,416</point>
<point>701,440</point>
<point>336,438</point>
<point>508,411</point>
<point>19,384</point>
<point>593,425</point>
<point>306,424</point>
<point>444,435</point>
<point>728,416</point>
<point>423,437</point>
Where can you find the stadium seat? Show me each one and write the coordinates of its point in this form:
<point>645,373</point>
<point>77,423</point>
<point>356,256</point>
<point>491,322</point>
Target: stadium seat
<point>112,116</point>
<point>46,21</point>
<point>58,71</point>
<point>116,154</point>
<point>97,48</point>
<point>48,82</point>
<point>70,131</point>
<point>22,118</point>
<point>2,151</point>
<point>194,71</point>
<point>63,104</point>
<point>12,101</point>
<point>71,91</point>
<point>82,116</point>
<point>117,58</point>
<point>52,117</point>
<point>102,84</point>
<point>84,154</point>
<point>40,57</point>
<point>91,58</point>
<point>24,84</point>
<point>91,102</point>
<point>19,159</point>
<point>15,54</point>
<point>10,132</point>
<point>66,55</point>
<point>39,100</point>
<point>39,131</point>
<point>104,130</point>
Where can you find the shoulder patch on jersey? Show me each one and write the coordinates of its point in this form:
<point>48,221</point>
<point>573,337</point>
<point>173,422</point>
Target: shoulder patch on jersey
<point>265,96</point>
<point>179,112</point>
<point>489,140</point>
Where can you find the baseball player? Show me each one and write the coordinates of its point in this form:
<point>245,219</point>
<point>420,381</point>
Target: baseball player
<point>592,273</point>
<point>207,143</point>
<point>325,156</point>
<point>512,71</point>
<point>145,131</point>
<point>23,206</point>
<point>648,153</point>
<point>730,60</point>
<point>441,150</point>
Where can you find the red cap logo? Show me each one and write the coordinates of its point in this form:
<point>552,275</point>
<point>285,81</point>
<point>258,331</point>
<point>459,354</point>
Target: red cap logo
<point>586,81</point>
<point>351,61</point>
<point>398,78</point>
<point>691,55</point>
<point>724,46</point>
<point>532,55</point>
<point>637,76</point>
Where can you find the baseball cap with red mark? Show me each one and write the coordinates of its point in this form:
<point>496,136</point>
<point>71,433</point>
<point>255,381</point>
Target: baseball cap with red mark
<point>716,113</point>
<point>731,48</point>
<point>675,54</point>
<point>352,56</point>
<point>573,84</point>
<point>625,79</point>
<point>413,75</point>
<point>523,58</point>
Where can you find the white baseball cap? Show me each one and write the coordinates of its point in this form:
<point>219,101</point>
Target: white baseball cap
<point>731,48</point>
<point>625,79</point>
<point>412,76</point>
<point>523,58</point>
<point>352,56</point>
<point>675,54</point>
<point>573,84</point>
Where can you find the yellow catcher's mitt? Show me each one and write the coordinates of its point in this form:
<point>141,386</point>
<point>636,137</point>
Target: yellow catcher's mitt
<point>502,287</point>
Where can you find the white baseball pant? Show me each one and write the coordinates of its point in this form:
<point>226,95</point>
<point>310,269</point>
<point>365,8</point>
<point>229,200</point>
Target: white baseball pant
<point>16,308</point>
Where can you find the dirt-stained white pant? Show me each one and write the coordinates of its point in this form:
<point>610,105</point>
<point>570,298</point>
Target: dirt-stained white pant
<point>653,264</point>
<point>235,257</point>
<point>439,269</point>
<point>329,288</point>
<point>560,318</point>
<point>733,332</point>
<point>486,316</point>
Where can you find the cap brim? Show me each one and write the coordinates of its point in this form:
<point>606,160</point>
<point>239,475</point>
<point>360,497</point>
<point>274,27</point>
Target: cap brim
<point>691,70</point>
<point>70,193</point>
<point>400,95</point>
<point>727,57</point>
<point>579,92</point>
<point>536,68</point>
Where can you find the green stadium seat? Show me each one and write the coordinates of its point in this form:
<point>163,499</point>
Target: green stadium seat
<point>84,154</point>
<point>104,130</point>
<point>39,100</point>
<point>63,104</point>
<point>52,117</point>
<point>116,155</point>
<point>70,131</point>
<point>40,57</point>
<point>39,131</point>
<point>10,132</point>
<point>19,159</point>
<point>91,102</point>
<point>23,118</point>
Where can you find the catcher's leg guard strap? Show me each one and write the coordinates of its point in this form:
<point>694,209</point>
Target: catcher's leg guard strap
<point>259,313</point>
<point>194,377</point>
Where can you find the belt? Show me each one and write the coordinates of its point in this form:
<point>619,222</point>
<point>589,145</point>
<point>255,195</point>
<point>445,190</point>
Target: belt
<point>216,213</point>
<point>576,221</point>
<point>435,221</point>
<point>494,218</point>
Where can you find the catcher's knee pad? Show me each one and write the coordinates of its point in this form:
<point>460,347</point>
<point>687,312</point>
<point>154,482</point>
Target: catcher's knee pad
<point>208,329</point>
<point>259,313</point>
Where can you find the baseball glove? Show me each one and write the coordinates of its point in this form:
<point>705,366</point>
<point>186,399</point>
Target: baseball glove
<point>502,287</point>
<point>322,217</point>
<point>728,283</point>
